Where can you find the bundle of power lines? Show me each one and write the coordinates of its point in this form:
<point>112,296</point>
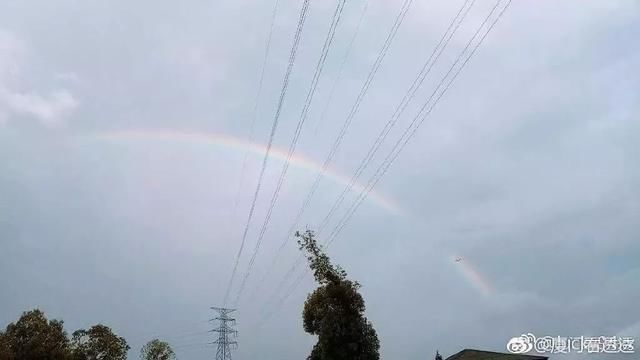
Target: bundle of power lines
<point>295,274</point>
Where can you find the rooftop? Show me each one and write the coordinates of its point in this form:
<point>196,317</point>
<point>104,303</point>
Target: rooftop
<point>470,354</point>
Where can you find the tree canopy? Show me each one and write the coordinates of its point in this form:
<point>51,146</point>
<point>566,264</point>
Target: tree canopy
<point>335,310</point>
<point>157,350</point>
<point>34,337</point>
<point>5,351</point>
<point>98,343</point>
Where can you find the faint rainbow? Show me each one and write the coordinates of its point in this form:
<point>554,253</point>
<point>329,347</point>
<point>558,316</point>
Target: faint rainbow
<point>230,142</point>
<point>472,275</point>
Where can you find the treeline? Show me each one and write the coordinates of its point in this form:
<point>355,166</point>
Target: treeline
<point>34,337</point>
<point>334,312</point>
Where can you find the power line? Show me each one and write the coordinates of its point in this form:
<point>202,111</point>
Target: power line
<point>455,23</point>
<point>419,119</point>
<point>286,277</point>
<point>179,330</point>
<point>303,117</point>
<point>322,117</point>
<point>283,92</point>
<point>182,346</point>
<point>408,134</point>
<point>353,111</point>
<point>338,78</point>
<point>284,299</point>
<point>257,101</point>
<point>187,335</point>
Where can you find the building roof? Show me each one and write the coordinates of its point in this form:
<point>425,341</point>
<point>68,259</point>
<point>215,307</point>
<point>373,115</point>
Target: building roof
<point>470,354</point>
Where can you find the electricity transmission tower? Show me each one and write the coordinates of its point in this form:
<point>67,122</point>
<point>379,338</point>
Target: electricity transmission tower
<point>226,333</point>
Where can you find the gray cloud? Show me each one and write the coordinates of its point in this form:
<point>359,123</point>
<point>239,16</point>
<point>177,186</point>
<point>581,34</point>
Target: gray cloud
<point>528,169</point>
<point>50,109</point>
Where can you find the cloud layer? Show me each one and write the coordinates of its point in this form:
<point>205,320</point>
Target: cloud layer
<point>528,169</point>
<point>17,99</point>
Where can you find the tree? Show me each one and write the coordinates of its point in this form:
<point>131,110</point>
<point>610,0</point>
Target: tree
<point>5,350</point>
<point>157,350</point>
<point>33,336</point>
<point>98,343</point>
<point>335,310</point>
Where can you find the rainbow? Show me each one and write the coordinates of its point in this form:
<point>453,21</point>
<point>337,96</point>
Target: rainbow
<point>229,142</point>
<point>472,275</point>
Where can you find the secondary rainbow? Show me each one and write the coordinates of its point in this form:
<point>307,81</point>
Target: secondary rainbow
<point>472,275</point>
<point>238,144</point>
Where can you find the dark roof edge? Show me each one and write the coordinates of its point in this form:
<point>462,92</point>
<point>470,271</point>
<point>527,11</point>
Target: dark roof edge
<point>523,357</point>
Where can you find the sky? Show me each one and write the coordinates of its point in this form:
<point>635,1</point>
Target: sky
<point>124,190</point>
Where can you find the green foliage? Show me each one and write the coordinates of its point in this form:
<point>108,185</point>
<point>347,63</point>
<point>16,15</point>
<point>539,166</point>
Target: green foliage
<point>5,350</point>
<point>34,337</point>
<point>335,310</point>
<point>98,343</point>
<point>157,350</point>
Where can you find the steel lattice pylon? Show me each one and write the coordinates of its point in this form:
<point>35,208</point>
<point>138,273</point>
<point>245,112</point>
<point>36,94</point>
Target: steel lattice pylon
<point>226,333</point>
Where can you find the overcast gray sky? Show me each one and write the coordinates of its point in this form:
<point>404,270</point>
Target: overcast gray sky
<point>123,128</point>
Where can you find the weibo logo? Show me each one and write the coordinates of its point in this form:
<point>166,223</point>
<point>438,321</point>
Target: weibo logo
<point>521,344</point>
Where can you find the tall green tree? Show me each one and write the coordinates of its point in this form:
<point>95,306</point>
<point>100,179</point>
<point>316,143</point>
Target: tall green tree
<point>5,350</point>
<point>335,310</point>
<point>98,343</point>
<point>157,350</point>
<point>34,337</point>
